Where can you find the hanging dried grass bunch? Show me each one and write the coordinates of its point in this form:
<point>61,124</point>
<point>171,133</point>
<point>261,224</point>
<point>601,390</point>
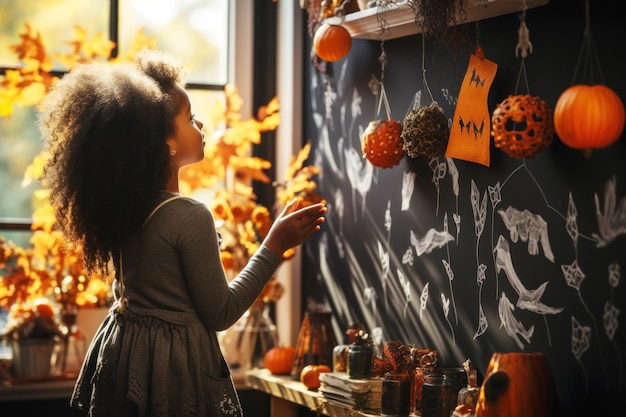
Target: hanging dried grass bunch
<point>425,132</point>
<point>436,16</point>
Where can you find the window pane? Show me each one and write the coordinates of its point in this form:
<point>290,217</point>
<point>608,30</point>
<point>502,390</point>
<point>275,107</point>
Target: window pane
<point>53,19</point>
<point>196,31</point>
<point>203,102</point>
<point>18,146</point>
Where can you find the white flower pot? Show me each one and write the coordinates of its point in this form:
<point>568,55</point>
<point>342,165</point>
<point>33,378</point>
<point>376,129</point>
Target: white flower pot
<point>32,357</point>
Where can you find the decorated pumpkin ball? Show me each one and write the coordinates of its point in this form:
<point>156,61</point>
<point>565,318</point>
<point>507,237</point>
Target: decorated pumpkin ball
<point>425,132</point>
<point>381,143</point>
<point>522,126</point>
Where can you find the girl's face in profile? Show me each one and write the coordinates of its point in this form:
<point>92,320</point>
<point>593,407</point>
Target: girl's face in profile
<point>188,141</point>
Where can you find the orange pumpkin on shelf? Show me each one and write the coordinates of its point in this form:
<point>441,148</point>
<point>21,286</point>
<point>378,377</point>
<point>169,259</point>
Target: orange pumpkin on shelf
<point>279,360</point>
<point>332,42</point>
<point>382,144</point>
<point>310,375</point>
<point>589,116</point>
<point>518,384</point>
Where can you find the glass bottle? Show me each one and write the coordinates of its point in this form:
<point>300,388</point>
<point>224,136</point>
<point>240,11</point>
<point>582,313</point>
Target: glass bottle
<point>435,396</point>
<point>468,396</point>
<point>70,352</point>
<point>396,395</point>
<point>258,335</point>
<point>360,361</point>
<point>316,342</point>
<point>340,358</point>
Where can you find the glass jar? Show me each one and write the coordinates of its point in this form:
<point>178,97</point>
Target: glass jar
<point>316,342</point>
<point>396,395</point>
<point>458,380</point>
<point>259,334</point>
<point>360,361</point>
<point>340,358</point>
<point>436,396</point>
<point>418,381</point>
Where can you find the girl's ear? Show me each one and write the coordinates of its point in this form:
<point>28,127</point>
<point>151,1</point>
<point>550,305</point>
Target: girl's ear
<point>171,143</point>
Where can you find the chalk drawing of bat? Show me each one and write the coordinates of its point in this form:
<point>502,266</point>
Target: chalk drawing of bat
<point>406,289</point>
<point>479,208</point>
<point>512,326</point>
<point>424,299</point>
<point>528,227</point>
<point>408,184</point>
<point>432,240</point>
<point>528,299</point>
<point>611,221</point>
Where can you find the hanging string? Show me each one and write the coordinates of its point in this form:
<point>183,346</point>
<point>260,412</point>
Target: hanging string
<point>588,55</point>
<point>383,99</point>
<point>478,33</point>
<point>383,94</point>
<point>522,71</point>
<point>383,61</point>
<point>424,68</point>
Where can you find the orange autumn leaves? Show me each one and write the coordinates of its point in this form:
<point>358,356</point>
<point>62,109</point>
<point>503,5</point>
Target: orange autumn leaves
<point>228,167</point>
<point>50,266</point>
<point>241,221</point>
<point>26,85</point>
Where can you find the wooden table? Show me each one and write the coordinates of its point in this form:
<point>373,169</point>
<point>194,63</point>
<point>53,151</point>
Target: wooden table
<point>52,388</point>
<point>286,394</point>
<point>60,387</point>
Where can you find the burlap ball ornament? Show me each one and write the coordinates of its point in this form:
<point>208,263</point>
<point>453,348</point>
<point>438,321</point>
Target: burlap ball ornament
<point>425,132</point>
<point>381,143</point>
<point>522,126</point>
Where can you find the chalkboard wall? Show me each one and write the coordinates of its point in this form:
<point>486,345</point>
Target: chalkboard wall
<point>404,251</point>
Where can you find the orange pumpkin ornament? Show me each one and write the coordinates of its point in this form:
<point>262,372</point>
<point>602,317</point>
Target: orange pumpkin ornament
<point>278,360</point>
<point>522,126</point>
<point>589,116</point>
<point>518,385</point>
<point>332,42</point>
<point>381,143</point>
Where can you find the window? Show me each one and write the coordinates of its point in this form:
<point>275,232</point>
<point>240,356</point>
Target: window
<point>197,31</point>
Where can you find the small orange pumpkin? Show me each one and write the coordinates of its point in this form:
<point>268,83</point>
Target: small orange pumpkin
<point>332,42</point>
<point>381,143</point>
<point>589,116</point>
<point>310,375</point>
<point>279,360</point>
<point>518,384</point>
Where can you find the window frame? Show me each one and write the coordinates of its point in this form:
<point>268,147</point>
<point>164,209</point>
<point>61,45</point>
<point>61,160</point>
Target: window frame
<point>240,44</point>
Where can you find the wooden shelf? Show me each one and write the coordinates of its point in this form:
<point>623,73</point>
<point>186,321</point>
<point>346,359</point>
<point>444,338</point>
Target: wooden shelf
<point>287,393</point>
<point>401,21</point>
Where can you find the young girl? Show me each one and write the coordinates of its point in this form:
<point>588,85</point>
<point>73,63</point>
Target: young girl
<point>117,136</point>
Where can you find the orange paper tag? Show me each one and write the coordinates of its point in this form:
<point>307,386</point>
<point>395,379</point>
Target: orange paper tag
<point>470,132</point>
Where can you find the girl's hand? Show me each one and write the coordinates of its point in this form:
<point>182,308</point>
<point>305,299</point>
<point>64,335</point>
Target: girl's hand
<point>294,225</point>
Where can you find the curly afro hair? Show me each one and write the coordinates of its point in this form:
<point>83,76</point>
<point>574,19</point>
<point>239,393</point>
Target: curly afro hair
<point>105,127</point>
